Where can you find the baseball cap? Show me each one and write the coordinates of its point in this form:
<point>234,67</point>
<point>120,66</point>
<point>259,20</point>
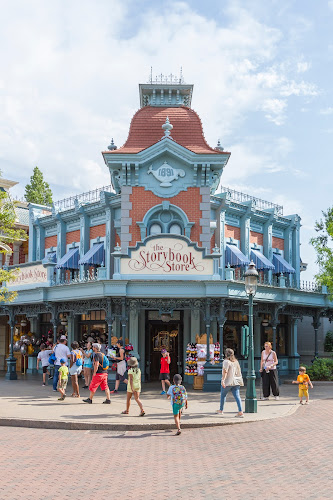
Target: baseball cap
<point>63,337</point>
<point>62,361</point>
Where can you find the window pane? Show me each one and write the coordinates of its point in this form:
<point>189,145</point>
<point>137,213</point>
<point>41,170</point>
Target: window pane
<point>175,229</point>
<point>155,229</point>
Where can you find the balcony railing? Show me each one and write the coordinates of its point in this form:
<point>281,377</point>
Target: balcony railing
<point>240,197</point>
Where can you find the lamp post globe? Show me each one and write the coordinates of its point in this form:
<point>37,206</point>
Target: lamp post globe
<point>251,283</point>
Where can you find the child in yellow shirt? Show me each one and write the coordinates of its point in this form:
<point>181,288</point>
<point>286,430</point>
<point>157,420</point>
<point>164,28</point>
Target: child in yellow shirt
<point>62,380</point>
<point>303,381</point>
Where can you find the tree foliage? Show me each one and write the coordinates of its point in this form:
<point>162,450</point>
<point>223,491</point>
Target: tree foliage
<point>8,234</point>
<point>38,191</point>
<point>323,244</point>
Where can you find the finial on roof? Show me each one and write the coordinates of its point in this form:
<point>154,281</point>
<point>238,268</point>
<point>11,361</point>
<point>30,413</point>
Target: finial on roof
<point>112,146</point>
<point>167,127</point>
<point>219,147</point>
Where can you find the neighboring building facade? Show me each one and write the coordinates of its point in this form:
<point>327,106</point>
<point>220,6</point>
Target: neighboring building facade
<point>159,256</point>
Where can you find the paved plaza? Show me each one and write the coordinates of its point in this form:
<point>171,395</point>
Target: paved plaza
<point>288,457</point>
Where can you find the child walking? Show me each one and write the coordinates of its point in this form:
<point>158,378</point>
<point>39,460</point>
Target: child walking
<point>133,385</point>
<point>165,369</point>
<point>43,357</point>
<point>63,379</point>
<point>303,381</point>
<point>178,395</point>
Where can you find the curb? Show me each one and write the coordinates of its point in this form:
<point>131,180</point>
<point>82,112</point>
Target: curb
<point>88,426</point>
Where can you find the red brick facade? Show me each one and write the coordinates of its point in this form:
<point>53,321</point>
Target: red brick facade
<point>278,243</point>
<point>51,241</point>
<point>232,232</point>
<point>257,238</point>
<point>97,231</point>
<point>73,236</point>
<point>143,200</point>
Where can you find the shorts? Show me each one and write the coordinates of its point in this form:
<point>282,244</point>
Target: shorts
<point>75,370</point>
<point>164,376</point>
<point>303,392</point>
<point>62,384</point>
<point>176,408</point>
<point>99,380</point>
<point>121,377</point>
<point>88,366</point>
<point>45,368</point>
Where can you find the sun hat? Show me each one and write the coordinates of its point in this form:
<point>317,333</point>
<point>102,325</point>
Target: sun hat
<point>132,362</point>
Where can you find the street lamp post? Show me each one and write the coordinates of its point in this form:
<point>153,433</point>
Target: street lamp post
<point>251,282</point>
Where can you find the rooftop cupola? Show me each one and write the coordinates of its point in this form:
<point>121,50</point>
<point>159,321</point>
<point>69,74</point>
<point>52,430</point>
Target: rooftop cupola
<point>165,91</point>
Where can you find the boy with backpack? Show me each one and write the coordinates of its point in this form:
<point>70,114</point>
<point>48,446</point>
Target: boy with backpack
<point>100,375</point>
<point>178,395</point>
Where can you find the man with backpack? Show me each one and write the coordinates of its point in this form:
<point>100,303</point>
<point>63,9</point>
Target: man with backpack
<point>100,375</point>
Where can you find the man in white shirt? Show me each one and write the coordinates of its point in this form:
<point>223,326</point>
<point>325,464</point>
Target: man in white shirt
<point>61,351</point>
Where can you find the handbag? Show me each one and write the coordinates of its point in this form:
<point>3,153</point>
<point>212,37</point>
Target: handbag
<point>263,371</point>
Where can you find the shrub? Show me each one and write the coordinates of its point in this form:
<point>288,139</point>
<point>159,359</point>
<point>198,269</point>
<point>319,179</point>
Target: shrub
<point>328,345</point>
<point>321,369</point>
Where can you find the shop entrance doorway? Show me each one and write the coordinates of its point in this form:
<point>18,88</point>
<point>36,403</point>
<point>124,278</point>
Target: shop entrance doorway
<point>163,334</point>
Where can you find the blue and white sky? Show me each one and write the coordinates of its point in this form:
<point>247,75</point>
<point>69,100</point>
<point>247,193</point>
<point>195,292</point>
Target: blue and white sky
<point>263,85</point>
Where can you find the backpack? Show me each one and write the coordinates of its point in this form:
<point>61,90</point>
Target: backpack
<point>179,395</point>
<point>105,364</point>
<point>78,358</point>
<point>52,358</point>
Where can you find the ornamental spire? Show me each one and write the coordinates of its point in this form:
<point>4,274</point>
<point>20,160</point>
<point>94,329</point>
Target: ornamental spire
<point>167,127</point>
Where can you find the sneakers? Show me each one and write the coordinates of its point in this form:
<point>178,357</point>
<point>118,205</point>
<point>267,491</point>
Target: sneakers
<point>55,390</point>
<point>277,398</point>
<point>163,392</point>
<point>43,384</point>
<point>85,387</point>
<point>50,376</point>
<point>88,400</point>
<point>106,402</point>
<point>265,399</point>
<point>114,392</point>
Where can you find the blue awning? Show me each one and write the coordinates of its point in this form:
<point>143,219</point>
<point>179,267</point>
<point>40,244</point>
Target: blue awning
<point>51,256</point>
<point>261,261</point>
<point>281,265</point>
<point>70,260</point>
<point>235,257</point>
<point>94,256</point>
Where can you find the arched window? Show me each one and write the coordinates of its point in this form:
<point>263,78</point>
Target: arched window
<point>155,229</point>
<point>175,229</point>
<point>165,219</point>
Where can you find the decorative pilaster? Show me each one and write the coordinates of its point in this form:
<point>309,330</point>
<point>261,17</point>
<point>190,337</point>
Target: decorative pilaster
<point>293,354</point>
<point>11,360</point>
<point>268,249</point>
<point>222,243</point>
<point>84,237</point>
<point>134,328</point>
<point>245,235</point>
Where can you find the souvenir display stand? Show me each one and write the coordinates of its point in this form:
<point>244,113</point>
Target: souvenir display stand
<point>196,354</point>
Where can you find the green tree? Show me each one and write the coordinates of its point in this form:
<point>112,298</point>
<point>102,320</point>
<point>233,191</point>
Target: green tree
<point>8,234</point>
<point>38,191</point>
<point>323,244</point>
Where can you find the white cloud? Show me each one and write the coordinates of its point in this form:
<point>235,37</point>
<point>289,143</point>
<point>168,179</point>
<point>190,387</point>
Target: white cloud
<point>303,66</point>
<point>327,111</point>
<point>330,4</point>
<point>274,110</point>
<point>69,83</point>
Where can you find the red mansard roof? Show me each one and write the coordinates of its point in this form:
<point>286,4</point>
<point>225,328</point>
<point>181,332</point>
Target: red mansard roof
<point>146,130</point>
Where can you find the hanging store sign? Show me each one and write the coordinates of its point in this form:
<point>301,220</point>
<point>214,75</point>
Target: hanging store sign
<point>167,256</point>
<point>30,275</point>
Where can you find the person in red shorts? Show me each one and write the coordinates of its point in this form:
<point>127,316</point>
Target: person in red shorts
<point>100,376</point>
<point>165,369</point>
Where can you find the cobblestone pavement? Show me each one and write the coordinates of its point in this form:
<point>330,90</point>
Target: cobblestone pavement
<point>285,458</point>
